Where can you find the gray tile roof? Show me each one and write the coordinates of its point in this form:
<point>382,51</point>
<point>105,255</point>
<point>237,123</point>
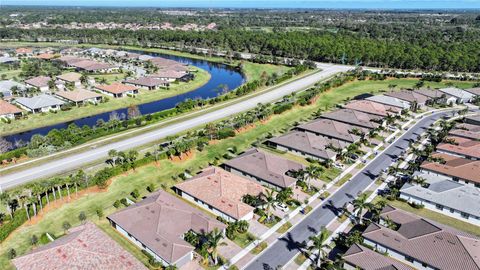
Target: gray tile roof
<point>392,101</point>
<point>365,258</point>
<point>332,129</point>
<point>458,93</point>
<point>353,117</point>
<point>39,101</point>
<point>6,85</point>
<point>266,166</point>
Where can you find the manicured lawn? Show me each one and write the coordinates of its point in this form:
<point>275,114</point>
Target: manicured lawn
<point>145,96</point>
<point>9,74</point>
<point>343,180</point>
<point>244,239</point>
<point>259,248</point>
<point>160,175</point>
<point>429,214</point>
<point>284,228</point>
<point>329,174</point>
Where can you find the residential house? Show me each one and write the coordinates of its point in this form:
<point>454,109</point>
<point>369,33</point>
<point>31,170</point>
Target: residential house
<point>267,169</point>
<point>45,56</point>
<point>150,83</point>
<point>355,118</point>
<point>455,168</point>
<point>308,145</point>
<point>40,103</point>
<point>92,66</point>
<point>9,111</point>
<point>475,91</point>
<point>333,130</point>
<point>84,247</point>
<point>221,193</point>
<point>462,96</point>
<point>158,223</point>
<point>145,57</point>
<point>473,120</point>
<point>435,96</point>
<point>24,51</point>
<point>391,101</point>
<point>461,147</point>
<point>117,90</point>
<point>448,197</point>
<point>40,82</point>
<point>69,60</point>
<point>410,97</point>
<point>71,77</point>
<point>466,131</point>
<point>8,60</point>
<point>79,96</point>
<point>361,257</point>
<point>421,243</point>
<point>171,75</point>
<point>372,107</point>
<point>6,87</point>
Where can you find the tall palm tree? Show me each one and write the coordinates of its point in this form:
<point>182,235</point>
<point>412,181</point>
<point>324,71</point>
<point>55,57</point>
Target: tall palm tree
<point>318,245</point>
<point>359,204</point>
<point>5,199</point>
<point>269,202</point>
<point>213,242</point>
<point>37,190</point>
<point>24,203</point>
<point>311,172</point>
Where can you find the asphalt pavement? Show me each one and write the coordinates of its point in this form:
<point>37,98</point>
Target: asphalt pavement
<point>71,162</point>
<point>289,245</point>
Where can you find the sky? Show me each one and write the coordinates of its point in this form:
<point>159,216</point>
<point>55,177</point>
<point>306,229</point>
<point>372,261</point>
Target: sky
<point>329,4</point>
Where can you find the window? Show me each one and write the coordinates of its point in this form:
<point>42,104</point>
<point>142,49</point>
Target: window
<point>409,259</point>
<point>452,211</point>
<point>465,215</point>
<point>439,206</point>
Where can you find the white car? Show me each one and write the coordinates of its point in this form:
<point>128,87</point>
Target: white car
<point>282,207</point>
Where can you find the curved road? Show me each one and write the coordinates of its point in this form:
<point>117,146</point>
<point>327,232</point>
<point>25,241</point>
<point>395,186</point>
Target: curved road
<point>283,250</point>
<point>71,162</point>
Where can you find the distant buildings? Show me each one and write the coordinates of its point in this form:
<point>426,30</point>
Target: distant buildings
<point>461,96</point>
<point>372,107</point>
<point>40,103</point>
<point>150,83</point>
<point>355,118</point>
<point>390,101</point>
<point>117,90</point>
<point>40,82</point>
<point>84,247</point>
<point>333,130</point>
<point>410,97</point>
<point>71,77</point>
<point>79,96</point>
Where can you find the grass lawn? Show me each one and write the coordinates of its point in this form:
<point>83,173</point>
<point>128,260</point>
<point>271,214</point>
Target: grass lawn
<point>259,248</point>
<point>329,174</point>
<point>244,239</point>
<point>343,180</point>
<point>429,214</point>
<point>9,73</point>
<point>300,259</point>
<point>145,96</point>
<point>284,228</point>
<point>161,176</point>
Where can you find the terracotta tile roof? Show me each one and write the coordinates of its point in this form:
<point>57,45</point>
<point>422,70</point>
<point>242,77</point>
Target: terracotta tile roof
<point>147,81</point>
<point>266,166</point>
<point>428,242</point>
<point>466,131</point>
<point>455,167</point>
<point>159,222</point>
<point>91,65</point>
<point>309,143</point>
<point>408,95</point>
<point>70,60</point>
<point>170,74</point>
<point>70,77</point>
<point>222,190</point>
<point>23,50</point>
<point>116,88</point>
<point>85,247</point>
<point>353,117</point>
<point>463,146</point>
<point>332,129</point>
<point>475,91</point>
<point>365,258</point>
<point>77,95</point>
<point>40,81</point>
<point>372,107</point>
<point>7,108</point>
<point>45,56</point>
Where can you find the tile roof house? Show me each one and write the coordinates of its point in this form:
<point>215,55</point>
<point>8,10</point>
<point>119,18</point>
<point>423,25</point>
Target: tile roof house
<point>92,66</point>
<point>158,223</point>
<point>463,147</point>
<point>422,243</point>
<point>8,59</point>
<point>8,110</point>
<point>462,96</point>
<point>475,91</point>
<point>391,101</point>
<point>456,168</point>
<point>79,96</point>
<point>360,257</point>
<point>40,82</point>
<point>6,87</point>
<point>264,167</point>
<point>45,56</point>
<point>446,196</point>
<point>436,96</point>
<point>468,131</point>
<point>148,82</point>
<point>24,51</point>
<point>169,75</point>
<point>84,247</point>
<point>409,96</point>
<point>71,77</point>
<point>40,103</point>
<point>117,89</point>
<point>355,118</point>
<point>332,129</point>
<point>308,145</point>
<point>221,193</point>
<point>69,60</point>
<point>372,107</point>
<point>473,119</point>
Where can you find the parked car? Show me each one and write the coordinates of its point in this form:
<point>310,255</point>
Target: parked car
<point>282,207</point>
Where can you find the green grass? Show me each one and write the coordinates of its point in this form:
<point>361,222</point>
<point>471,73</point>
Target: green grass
<point>300,259</point>
<point>145,96</point>
<point>10,73</point>
<point>284,228</point>
<point>429,214</point>
<point>159,175</point>
<point>329,174</point>
<point>259,248</point>
<point>244,239</point>
<point>343,180</point>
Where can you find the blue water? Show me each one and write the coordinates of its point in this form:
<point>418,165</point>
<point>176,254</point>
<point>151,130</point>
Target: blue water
<point>220,74</point>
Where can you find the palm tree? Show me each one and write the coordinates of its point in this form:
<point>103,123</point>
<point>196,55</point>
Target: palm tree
<point>37,190</point>
<point>213,241</point>
<point>24,203</point>
<point>318,245</point>
<point>5,199</point>
<point>359,204</point>
<point>269,202</point>
<point>311,172</point>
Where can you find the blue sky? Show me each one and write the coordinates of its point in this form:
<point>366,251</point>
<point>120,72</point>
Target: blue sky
<point>367,4</point>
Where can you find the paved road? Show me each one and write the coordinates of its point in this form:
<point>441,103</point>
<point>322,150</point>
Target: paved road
<point>74,161</point>
<point>285,248</point>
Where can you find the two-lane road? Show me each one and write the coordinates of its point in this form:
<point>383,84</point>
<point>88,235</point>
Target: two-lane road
<point>73,161</point>
<point>288,246</point>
